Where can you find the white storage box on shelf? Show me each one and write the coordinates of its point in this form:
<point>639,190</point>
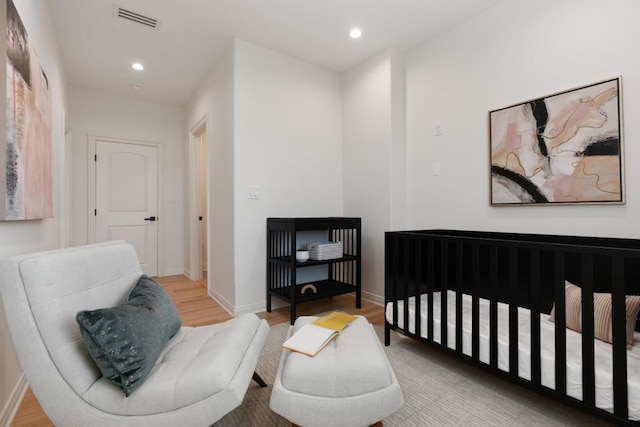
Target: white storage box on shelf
<point>323,251</point>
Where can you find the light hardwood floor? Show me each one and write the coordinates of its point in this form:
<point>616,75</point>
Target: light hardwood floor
<point>197,308</point>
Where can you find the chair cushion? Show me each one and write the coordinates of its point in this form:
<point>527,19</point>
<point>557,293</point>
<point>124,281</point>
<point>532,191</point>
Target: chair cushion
<point>125,341</point>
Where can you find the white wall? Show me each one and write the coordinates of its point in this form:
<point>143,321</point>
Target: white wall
<point>213,102</point>
<point>399,141</point>
<point>514,52</point>
<point>275,122</point>
<point>102,114</point>
<point>17,237</point>
<point>288,141</point>
<point>373,147</point>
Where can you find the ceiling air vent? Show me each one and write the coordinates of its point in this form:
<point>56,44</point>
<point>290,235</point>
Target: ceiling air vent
<point>136,17</point>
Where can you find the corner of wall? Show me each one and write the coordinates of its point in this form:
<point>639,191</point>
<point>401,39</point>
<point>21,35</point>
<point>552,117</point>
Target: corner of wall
<point>214,99</point>
<point>398,136</point>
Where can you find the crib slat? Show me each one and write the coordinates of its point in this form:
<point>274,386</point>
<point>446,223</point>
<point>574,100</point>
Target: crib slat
<point>618,302</point>
<point>396,280</point>
<point>430,281</point>
<point>588,373</point>
<point>475,305</point>
<point>493,306</point>
<point>459,291</point>
<point>560,324</point>
<point>406,284</point>
<point>418,289</point>
<point>358,265</point>
<point>444,279</point>
<point>534,289</point>
<point>513,312</point>
<point>388,284</point>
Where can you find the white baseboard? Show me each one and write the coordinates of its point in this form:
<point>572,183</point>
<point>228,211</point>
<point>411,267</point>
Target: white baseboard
<point>222,301</point>
<point>251,308</point>
<point>11,408</point>
<point>174,272</point>
<point>367,296</point>
<point>276,303</point>
<point>376,299</point>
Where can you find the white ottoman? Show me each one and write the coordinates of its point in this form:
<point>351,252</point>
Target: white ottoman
<point>349,383</point>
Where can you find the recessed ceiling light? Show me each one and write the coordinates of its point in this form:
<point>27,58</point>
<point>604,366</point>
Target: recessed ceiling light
<point>137,66</point>
<point>355,33</point>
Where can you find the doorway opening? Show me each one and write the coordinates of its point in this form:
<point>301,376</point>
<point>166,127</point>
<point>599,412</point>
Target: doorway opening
<point>198,206</point>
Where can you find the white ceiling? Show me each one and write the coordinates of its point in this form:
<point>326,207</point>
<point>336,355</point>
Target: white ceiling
<point>98,48</point>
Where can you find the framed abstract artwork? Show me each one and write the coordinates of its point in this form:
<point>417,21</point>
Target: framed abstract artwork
<point>564,148</point>
<point>26,182</point>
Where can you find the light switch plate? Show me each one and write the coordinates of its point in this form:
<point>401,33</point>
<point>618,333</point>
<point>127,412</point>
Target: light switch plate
<point>253,192</point>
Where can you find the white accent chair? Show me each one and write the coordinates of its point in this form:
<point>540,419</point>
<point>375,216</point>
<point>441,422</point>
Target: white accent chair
<point>202,374</point>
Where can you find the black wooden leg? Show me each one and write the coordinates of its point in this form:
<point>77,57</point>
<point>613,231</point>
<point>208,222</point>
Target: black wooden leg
<point>259,380</point>
<point>387,334</point>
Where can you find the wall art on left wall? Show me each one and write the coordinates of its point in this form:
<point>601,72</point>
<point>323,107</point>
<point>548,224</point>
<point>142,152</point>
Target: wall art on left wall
<point>564,148</point>
<point>27,190</point>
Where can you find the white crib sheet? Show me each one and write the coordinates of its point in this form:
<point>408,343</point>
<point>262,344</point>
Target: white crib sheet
<point>602,350</point>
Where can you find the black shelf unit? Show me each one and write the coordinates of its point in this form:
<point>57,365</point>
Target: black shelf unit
<point>343,275</point>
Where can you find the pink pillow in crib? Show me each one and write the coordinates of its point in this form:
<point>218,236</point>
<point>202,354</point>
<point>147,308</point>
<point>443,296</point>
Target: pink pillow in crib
<point>602,329</point>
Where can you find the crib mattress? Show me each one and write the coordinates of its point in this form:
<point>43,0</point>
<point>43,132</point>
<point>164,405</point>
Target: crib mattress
<point>602,350</point>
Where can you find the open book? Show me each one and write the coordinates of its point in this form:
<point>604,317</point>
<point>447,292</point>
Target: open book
<point>313,337</point>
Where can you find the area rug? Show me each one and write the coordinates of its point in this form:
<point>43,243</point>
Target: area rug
<point>438,389</point>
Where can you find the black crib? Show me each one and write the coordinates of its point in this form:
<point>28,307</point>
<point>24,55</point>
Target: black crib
<point>521,270</point>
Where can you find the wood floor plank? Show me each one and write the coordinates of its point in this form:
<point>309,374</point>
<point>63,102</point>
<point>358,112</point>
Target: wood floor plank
<point>197,308</point>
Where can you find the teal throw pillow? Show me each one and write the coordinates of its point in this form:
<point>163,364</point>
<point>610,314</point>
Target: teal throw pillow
<point>125,341</point>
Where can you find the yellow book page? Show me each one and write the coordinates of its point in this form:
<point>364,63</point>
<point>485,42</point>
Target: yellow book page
<point>335,321</point>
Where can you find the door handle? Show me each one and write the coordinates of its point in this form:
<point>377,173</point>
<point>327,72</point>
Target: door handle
<point>151,218</point>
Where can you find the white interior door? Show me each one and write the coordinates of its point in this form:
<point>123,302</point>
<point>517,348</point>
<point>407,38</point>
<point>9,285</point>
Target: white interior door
<point>127,198</point>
